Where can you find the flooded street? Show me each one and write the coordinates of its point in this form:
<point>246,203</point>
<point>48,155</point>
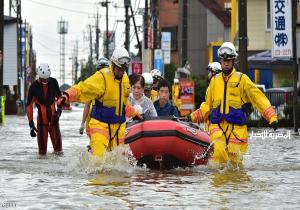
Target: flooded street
<point>74,180</point>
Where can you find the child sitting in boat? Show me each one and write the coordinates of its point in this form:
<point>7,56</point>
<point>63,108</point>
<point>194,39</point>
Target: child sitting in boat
<point>163,105</point>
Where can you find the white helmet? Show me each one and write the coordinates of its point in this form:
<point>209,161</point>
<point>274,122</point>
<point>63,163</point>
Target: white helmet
<point>215,67</point>
<point>148,78</point>
<point>43,71</point>
<point>227,51</point>
<point>102,63</point>
<point>120,57</point>
<point>155,72</point>
<point>176,81</point>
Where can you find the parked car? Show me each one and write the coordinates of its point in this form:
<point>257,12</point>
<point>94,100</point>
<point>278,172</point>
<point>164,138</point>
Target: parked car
<point>280,96</point>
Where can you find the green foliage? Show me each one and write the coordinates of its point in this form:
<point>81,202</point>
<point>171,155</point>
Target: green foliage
<point>86,72</point>
<point>200,91</point>
<point>170,72</point>
<point>286,83</point>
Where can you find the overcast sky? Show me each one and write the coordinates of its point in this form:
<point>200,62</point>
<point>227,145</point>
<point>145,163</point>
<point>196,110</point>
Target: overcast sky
<point>44,15</point>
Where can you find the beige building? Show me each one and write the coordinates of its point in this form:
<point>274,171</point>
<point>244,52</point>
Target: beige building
<point>262,67</point>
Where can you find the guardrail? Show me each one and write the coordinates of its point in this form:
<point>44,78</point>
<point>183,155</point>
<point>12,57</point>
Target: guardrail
<point>283,104</point>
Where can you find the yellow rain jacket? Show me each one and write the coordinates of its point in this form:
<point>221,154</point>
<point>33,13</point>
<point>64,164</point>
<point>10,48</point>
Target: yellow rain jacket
<point>154,95</point>
<point>107,124</point>
<point>175,96</point>
<point>88,119</point>
<point>225,98</point>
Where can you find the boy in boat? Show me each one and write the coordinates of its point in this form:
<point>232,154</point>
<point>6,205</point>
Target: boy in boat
<point>163,105</point>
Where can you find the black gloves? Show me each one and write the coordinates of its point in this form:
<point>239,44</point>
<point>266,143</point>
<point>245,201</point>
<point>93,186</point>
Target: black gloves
<point>62,101</point>
<point>32,129</point>
<point>57,115</point>
<point>247,109</point>
<point>81,129</point>
<point>274,125</point>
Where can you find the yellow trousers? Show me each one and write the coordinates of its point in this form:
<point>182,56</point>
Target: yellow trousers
<point>234,148</point>
<point>100,137</point>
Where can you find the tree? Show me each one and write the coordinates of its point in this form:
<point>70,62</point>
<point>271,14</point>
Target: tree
<point>170,72</point>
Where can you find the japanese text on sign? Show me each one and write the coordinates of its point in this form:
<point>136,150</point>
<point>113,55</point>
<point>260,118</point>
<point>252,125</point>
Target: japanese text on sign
<point>282,28</point>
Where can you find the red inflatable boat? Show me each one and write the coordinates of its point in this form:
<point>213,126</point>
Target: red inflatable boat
<point>168,143</point>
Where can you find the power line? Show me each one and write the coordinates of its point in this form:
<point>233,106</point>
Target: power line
<point>82,2</point>
<point>48,5</point>
<point>65,9</point>
<point>43,45</point>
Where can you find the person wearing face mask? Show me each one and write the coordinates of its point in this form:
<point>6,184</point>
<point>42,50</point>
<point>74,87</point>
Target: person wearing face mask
<point>109,88</point>
<point>43,93</point>
<point>226,97</point>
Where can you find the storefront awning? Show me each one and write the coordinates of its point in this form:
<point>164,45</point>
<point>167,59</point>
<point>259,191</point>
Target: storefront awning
<point>264,60</point>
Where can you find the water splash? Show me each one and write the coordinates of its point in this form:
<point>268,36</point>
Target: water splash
<point>120,159</point>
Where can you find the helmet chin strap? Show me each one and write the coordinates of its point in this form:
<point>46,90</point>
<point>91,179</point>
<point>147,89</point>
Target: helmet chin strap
<point>114,66</point>
<point>227,73</point>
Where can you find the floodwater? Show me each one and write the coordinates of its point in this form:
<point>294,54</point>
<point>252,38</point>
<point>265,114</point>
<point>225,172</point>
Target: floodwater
<point>75,180</point>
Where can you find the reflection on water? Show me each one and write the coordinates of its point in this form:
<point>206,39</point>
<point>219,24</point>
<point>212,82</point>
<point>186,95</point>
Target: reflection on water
<point>77,180</point>
<point>229,177</point>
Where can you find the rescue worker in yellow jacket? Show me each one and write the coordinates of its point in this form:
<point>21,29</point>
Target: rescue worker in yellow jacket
<point>176,94</point>
<point>227,95</point>
<point>156,75</point>
<point>86,115</point>
<point>148,91</point>
<point>109,88</point>
<point>213,69</point>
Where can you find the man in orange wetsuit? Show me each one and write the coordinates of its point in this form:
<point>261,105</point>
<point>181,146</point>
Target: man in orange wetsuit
<point>43,93</point>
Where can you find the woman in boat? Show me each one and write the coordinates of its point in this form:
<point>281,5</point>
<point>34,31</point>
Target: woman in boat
<point>138,98</point>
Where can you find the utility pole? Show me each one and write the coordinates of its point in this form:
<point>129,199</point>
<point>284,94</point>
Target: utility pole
<point>295,95</point>
<point>136,33</point>
<point>127,25</point>
<point>91,51</point>
<point>145,25</point>
<point>62,29</point>
<point>1,44</point>
<point>24,50</point>
<point>243,38</point>
<point>233,20</point>
<point>10,6</point>
<point>76,61</point>
<point>19,21</point>
<point>184,32</point>
<point>105,4</point>
<point>155,25</point>
<point>107,36</point>
<point>97,35</point>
